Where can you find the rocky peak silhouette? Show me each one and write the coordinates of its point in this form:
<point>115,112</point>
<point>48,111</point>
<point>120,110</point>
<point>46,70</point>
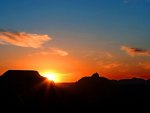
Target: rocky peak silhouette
<point>95,75</point>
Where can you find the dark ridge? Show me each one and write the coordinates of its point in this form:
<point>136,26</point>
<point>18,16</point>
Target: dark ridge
<point>26,90</point>
<point>13,73</point>
<point>95,79</point>
<point>21,77</point>
<point>95,76</point>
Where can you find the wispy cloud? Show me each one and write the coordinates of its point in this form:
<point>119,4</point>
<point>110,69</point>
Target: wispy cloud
<point>1,42</point>
<point>112,65</point>
<point>145,65</point>
<point>51,51</point>
<point>23,39</point>
<point>108,65</point>
<point>58,51</point>
<point>98,55</point>
<point>135,51</point>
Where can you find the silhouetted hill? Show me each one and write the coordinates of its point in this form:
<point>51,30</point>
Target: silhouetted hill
<point>101,92</point>
<point>90,84</point>
<point>21,80</point>
<point>93,80</point>
<point>21,77</point>
<point>26,90</point>
<point>132,81</point>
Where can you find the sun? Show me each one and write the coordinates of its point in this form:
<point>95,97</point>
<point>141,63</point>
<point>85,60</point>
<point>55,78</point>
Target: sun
<point>50,76</point>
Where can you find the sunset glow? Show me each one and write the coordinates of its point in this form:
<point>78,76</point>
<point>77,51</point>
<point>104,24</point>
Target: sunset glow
<point>69,55</point>
<point>71,39</point>
<point>50,76</point>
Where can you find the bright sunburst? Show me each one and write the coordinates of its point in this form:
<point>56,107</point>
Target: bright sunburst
<point>50,76</point>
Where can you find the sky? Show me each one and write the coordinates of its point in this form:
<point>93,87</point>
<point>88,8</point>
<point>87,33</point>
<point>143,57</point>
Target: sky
<point>76,38</point>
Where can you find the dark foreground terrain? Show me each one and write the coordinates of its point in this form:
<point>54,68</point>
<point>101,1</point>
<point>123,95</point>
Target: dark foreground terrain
<point>22,90</point>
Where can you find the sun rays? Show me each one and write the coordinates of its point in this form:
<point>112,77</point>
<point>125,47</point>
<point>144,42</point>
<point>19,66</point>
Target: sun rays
<point>52,76</point>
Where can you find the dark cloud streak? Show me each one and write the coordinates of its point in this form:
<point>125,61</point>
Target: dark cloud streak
<point>135,51</point>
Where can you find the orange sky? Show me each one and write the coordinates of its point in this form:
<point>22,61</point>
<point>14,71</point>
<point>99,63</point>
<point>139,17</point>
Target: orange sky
<point>70,68</point>
<point>76,38</point>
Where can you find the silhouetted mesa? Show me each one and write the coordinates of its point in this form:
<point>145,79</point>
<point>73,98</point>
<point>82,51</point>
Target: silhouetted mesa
<point>25,89</point>
<point>22,78</point>
<point>22,73</point>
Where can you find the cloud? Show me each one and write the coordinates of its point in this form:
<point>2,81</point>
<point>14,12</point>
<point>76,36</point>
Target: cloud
<point>98,55</point>
<point>135,51</point>
<point>112,65</point>
<point>51,51</point>
<point>1,42</point>
<point>108,65</point>
<point>23,39</point>
<point>145,65</point>
<point>58,51</point>
<point>109,55</point>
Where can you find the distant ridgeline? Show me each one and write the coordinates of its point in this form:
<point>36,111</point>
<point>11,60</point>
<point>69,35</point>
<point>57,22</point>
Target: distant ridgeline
<point>26,90</point>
